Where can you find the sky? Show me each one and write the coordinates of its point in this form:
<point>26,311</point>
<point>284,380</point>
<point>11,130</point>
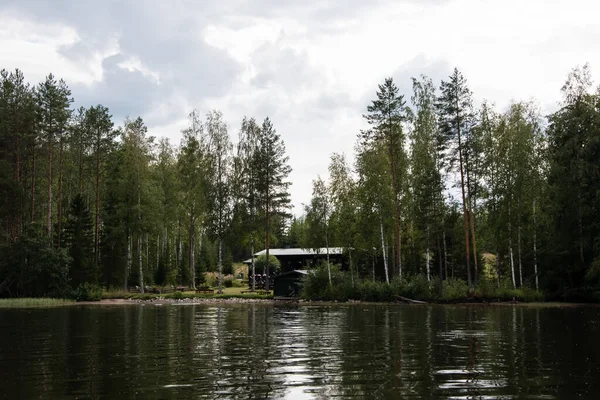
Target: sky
<point>312,67</point>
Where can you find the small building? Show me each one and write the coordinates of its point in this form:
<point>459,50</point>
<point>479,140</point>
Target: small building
<point>298,258</point>
<point>289,284</point>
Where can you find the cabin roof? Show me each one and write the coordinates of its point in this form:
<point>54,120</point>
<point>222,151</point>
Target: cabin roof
<point>297,251</point>
<point>293,272</point>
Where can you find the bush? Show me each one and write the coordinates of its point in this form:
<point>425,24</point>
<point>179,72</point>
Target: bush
<point>228,281</point>
<point>88,292</point>
<point>177,295</point>
<point>454,289</point>
<point>211,280</point>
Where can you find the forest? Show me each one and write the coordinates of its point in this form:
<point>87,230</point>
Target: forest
<point>438,191</point>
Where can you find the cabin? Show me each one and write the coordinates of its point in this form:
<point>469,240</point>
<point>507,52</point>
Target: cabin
<point>288,285</point>
<point>298,259</point>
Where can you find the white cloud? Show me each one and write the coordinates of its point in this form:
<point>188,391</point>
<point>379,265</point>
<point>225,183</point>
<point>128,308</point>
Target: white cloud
<point>35,48</point>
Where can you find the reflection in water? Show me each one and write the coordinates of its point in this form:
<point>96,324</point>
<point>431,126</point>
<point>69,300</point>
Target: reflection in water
<point>299,352</point>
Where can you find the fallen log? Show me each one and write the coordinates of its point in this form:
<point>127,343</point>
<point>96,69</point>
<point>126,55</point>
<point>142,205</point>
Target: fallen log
<point>410,301</point>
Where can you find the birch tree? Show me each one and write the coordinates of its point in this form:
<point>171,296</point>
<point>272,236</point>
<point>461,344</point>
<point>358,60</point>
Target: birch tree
<point>220,170</point>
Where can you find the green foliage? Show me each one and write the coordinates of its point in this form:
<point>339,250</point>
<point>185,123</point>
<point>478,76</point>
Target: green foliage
<point>260,262</point>
<point>177,295</point>
<point>87,292</point>
<point>228,281</point>
<point>31,267</point>
<point>70,193</point>
<point>454,290</point>
<point>79,238</point>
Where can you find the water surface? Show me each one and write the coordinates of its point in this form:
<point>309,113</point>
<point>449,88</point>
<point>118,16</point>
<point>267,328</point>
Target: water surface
<point>251,351</point>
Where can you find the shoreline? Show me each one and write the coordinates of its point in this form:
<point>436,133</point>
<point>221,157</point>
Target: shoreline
<point>299,302</point>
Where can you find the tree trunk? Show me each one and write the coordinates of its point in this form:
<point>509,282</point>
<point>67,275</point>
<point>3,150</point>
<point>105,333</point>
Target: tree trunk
<point>535,266</point>
<point>97,218</point>
<point>128,263</point>
<point>474,243</point>
<point>510,250</point>
<point>192,251</point>
<point>427,256</point>
<point>32,216</point>
<point>267,244</point>
<point>253,265</point>
<point>220,267</point>
<point>49,199</point>
<point>351,267</point>
<point>580,228</point>
<point>396,194</point>
<point>60,192</point>
<point>465,212</point>
<point>445,255</point>
<point>519,254</point>
<point>439,251</point>
<point>81,163</point>
<point>140,265</point>
<point>373,264</point>
<point>327,250</point>
<point>385,263</point>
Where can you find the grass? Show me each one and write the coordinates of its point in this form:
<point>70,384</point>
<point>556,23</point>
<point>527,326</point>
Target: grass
<point>33,302</point>
<point>228,293</point>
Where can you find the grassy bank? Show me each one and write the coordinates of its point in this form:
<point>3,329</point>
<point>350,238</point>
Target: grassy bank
<point>228,293</point>
<point>316,287</point>
<point>33,302</point>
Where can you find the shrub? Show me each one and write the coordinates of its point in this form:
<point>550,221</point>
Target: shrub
<point>454,289</point>
<point>228,281</point>
<point>210,280</point>
<point>177,295</point>
<point>88,292</point>
<point>418,288</point>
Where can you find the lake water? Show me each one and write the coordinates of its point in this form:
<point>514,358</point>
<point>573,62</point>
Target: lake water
<point>251,351</point>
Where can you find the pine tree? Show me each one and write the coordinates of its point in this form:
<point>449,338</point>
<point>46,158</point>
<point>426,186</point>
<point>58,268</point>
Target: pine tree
<point>386,116</point>
<point>100,127</point>
<point>272,186</point>
<point>54,101</point>
<point>456,119</point>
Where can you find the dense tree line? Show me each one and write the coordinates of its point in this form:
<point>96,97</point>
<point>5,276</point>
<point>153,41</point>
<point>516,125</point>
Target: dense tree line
<point>86,202</point>
<point>445,190</point>
<point>439,189</point>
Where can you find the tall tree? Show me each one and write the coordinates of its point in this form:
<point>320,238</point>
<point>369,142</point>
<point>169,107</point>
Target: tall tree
<point>386,115</point>
<point>456,118</point>
<point>192,167</point>
<point>426,163</point>
<point>574,147</point>
<point>54,101</point>
<point>220,180</point>
<point>272,186</point>
<point>246,179</point>
<point>100,127</point>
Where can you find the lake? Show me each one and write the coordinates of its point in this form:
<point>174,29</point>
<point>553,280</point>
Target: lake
<point>299,352</point>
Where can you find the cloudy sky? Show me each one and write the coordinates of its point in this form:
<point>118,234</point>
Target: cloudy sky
<point>311,66</point>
